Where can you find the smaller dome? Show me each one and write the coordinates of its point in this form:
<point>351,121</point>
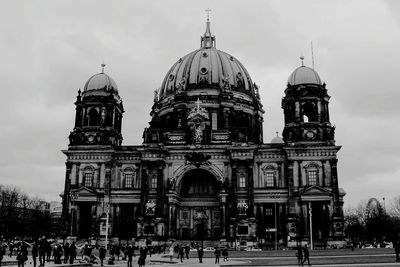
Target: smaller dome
<point>277,140</point>
<point>304,75</point>
<point>100,81</point>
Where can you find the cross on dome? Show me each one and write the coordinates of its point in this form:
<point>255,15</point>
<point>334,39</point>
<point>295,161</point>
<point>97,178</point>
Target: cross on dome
<point>208,40</point>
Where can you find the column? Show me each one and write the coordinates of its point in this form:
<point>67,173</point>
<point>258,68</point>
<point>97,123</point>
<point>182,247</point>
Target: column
<point>297,111</point>
<point>319,108</point>
<point>73,174</point>
<point>102,175</point>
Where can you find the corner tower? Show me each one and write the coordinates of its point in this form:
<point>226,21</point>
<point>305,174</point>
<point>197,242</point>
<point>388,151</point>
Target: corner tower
<point>306,109</point>
<point>99,109</point>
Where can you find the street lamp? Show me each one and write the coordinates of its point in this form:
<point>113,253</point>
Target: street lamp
<point>107,218</point>
<point>311,233</point>
<point>275,197</point>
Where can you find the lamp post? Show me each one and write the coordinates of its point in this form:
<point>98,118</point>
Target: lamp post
<point>107,218</point>
<point>275,197</point>
<point>311,228</point>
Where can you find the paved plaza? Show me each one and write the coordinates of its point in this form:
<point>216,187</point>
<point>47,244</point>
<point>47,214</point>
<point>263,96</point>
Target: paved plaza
<point>359,257</point>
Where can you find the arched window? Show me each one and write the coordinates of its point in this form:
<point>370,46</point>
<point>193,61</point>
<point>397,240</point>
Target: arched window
<point>242,177</point>
<point>269,176</point>
<point>94,118</point>
<point>88,176</point>
<point>312,173</point>
<point>129,178</point>
<point>309,111</point>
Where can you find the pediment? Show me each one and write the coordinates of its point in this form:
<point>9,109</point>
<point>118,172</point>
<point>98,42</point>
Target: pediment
<point>82,193</point>
<point>314,190</point>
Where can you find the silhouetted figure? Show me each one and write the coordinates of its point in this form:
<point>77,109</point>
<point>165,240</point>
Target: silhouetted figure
<point>299,254</point>
<point>35,252</point>
<point>225,254</point>
<point>396,245</point>
<point>217,254</point>
<point>43,244</point>
<point>102,254</point>
<point>306,254</point>
<point>200,253</point>
<point>187,251</point>
<point>66,252</point>
<point>129,253</point>
<point>72,252</point>
<point>22,254</point>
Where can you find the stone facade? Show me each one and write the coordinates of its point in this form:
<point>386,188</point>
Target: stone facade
<point>203,171</point>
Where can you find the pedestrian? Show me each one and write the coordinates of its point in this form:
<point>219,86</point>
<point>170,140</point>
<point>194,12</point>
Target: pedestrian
<point>87,252</point>
<point>217,254</point>
<point>200,253</point>
<point>102,254</point>
<point>396,245</point>
<point>72,252</point>
<point>299,254</point>
<point>48,251</point>
<point>171,252</point>
<point>117,251</point>
<point>11,248</point>
<point>42,251</point>
<point>66,252</point>
<point>181,253</point>
<point>35,252</point>
<point>129,253</point>
<point>187,251</point>
<point>225,254</point>
<point>141,261</point>
<point>22,254</point>
<point>2,251</point>
<point>306,254</point>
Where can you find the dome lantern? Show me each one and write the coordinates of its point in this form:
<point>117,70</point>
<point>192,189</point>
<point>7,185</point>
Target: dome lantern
<point>208,40</point>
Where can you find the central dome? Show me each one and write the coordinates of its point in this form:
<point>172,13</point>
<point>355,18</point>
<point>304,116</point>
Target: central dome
<point>206,67</point>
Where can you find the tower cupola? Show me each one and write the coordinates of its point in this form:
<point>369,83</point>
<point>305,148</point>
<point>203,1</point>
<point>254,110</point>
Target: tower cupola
<point>99,109</point>
<point>306,108</point>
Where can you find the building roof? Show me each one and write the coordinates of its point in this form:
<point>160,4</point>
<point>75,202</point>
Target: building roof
<point>206,67</point>
<point>304,75</point>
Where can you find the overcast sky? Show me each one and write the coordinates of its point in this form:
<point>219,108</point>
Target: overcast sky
<point>48,49</point>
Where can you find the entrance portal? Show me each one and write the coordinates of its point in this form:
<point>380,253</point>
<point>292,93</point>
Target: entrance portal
<point>199,215</point>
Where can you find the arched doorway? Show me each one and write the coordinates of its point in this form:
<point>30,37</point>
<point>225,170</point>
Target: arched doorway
<point>199,214</point>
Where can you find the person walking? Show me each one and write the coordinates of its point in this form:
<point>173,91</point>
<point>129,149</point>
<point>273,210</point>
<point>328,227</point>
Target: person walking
<point>129,253</point>
<point>43,244</point>
<point>3,251</point>
<point>187,251</point>
<point>306,254</point>
<point>171,252</point>
<point>22,254</point>
<point>225,254</point>
<point>72,252</point>
<point>181,253</point>
<point>299,254</point>
<point>217,254</point>
<point>200,253</point>
<point>35,252</point>
<point>102,254</point>
<point>66,252</point>
<point>396,246</point>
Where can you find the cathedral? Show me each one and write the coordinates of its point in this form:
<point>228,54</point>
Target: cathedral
<point>204,171</point>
